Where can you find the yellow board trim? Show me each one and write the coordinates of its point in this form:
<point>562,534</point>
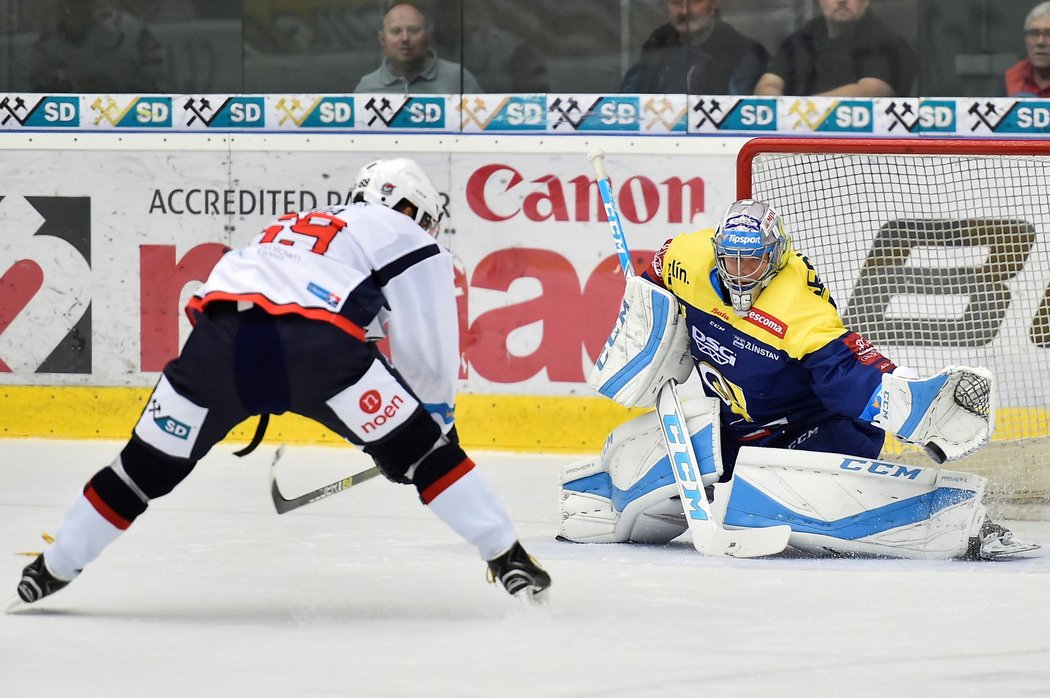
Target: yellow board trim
<point>497,422</point>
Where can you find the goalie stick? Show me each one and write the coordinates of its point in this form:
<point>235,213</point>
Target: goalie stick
<point>709,537</point>
<point>283,505</point>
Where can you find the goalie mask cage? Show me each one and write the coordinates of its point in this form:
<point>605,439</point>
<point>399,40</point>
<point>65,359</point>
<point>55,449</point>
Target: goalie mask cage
<point>938,252</point>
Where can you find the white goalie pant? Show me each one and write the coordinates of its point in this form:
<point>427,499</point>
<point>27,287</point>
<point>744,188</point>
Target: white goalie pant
<point>833,503</point>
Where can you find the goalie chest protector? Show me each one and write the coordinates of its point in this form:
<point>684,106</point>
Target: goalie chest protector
<point>789,360</point>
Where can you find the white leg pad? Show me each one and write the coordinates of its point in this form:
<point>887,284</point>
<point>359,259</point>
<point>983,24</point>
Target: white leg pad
<point>850,505</point>
<point>629,492</point>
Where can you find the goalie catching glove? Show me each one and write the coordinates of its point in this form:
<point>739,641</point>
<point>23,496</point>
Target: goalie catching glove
<point>648,346</point>
<point>950,415</point>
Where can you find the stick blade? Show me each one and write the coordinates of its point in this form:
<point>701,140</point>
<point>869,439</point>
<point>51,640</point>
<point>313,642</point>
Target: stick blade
<point>743,542</point>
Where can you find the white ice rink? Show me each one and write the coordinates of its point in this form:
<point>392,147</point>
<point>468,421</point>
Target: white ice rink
<point>367,594</point>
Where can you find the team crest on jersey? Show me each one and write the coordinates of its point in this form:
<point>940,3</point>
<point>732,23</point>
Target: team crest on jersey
<point>658,261</point>
<point>866,352</point>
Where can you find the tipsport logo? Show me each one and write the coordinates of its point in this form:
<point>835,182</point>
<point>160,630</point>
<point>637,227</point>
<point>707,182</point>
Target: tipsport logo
<point>830,115</point>
<point>748,114</point>
<point>131,112</point>
<point>587,113</point>
<point>513,113</point>
<point>224,112</point>
<point>34,111</point>
<point>380,112</point>
<point>1007,116</point>
<point>898,116</point>
<point>45,274</point>
<point>307,112</point>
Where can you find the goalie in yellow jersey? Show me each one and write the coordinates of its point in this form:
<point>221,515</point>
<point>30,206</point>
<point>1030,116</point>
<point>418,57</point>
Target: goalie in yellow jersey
<point>795,416</point>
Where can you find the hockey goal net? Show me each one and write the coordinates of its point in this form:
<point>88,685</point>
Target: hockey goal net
<point>937,251</point>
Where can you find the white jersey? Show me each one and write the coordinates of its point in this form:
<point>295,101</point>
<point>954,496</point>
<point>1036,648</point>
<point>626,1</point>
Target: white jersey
<point>351,266</point>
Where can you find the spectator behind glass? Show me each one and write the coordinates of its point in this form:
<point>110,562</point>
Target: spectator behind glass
<point>499,59</point>
<point>93,47</point>
<point>846,52</point>
<point>1031,76</point>
<point>409,64</point>
<point>696,53</point>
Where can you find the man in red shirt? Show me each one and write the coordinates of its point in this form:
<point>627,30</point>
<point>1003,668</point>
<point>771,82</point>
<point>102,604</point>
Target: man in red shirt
<point>1031,76</point>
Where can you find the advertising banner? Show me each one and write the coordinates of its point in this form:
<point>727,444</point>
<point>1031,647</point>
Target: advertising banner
<point>102,250</point>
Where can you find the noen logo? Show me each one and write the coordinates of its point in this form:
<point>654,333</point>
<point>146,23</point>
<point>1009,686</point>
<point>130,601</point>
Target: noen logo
<point>385,412</point>
<point>370,402</point>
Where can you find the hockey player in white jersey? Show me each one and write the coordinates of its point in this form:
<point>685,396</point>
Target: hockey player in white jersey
<point>282,326</point>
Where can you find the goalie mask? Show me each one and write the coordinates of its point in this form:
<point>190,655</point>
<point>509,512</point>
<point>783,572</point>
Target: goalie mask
<point>750,248</point>
<point>400,184</point>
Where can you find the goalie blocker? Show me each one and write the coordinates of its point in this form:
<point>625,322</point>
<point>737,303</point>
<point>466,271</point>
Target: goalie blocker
<point>832,502</point>
<point>648,346</point>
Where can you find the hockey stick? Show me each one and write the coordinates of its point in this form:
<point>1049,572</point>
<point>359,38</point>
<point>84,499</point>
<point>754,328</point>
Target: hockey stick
<point>283,505</point>
<point>709,537</point>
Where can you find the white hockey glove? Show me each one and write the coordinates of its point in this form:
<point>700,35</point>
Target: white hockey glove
<point>950,415</point>
<point>648,346</point>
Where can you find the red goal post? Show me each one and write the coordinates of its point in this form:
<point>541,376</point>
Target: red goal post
<point>938,251</point>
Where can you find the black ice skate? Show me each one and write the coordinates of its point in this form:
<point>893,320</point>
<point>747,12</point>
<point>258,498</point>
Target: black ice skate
<point>38,582</point>
<point>520,575</point>
<point>994,542</point>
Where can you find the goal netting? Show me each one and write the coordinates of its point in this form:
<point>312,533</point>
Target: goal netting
<point>938,252</point>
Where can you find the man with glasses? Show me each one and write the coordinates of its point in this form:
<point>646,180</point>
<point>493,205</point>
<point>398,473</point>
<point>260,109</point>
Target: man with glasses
<point>1031,77</point>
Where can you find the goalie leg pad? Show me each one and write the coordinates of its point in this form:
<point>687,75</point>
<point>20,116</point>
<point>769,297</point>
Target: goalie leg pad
<point>629,492</point>
<point>849,505</point>
<point>648,346</point>
<point>593,511</point>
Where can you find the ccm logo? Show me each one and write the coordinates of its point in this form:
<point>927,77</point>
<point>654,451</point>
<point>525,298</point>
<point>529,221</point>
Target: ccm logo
<point>385,413</point>
<point>689,483</point>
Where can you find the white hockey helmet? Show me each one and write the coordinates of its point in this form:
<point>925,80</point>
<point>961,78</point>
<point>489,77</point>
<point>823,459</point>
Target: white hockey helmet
<point>400,184</point>
<point>751,246</point>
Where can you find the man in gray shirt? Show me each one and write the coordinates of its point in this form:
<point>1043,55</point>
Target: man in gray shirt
<point>409,64</point>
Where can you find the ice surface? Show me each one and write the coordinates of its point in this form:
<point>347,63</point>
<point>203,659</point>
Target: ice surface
<point>367,594</point>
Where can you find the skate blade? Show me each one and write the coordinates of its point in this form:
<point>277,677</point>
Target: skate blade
<point>531,598</point>
<point>1017,549</point>
<point>14,605</point>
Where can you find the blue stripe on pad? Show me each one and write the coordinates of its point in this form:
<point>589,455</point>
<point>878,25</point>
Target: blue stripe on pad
<point>661,307</point>
<point>752,508</point>
<point>658,476</point>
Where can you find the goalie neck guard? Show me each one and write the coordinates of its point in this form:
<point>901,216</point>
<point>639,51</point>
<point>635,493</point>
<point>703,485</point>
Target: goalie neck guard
<point>400,184</point>
<point>750,248</point>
